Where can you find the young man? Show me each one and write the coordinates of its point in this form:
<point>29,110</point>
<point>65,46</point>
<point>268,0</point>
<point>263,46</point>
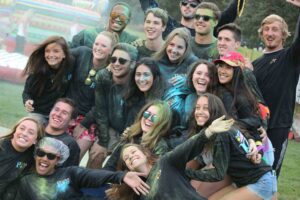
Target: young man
<point>108,110</point>
<point>154,25</point>
<point>277,74</point>
<point>204,44</point>
<point>188,9</point>
<point>118,20</point>
<point>62,113</point>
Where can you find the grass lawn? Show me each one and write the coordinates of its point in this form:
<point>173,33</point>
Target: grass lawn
<point>12,109</point>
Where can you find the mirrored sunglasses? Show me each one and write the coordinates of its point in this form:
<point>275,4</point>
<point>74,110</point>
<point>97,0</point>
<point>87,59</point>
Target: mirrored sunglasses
<point>88,80</point>
<point>114,59</point>
<point>115,15</point>
<point>150,116</point>
<point>192,5</point>
<point>41,153</point>
<point>205,18</point>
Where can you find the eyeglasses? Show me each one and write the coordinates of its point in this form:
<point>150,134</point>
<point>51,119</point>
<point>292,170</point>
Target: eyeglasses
<point>150,116</point>
<point>205,18</point>
<point>115,15</point>
<point>185,3</point>
<point>41,153</point>
<point>122,61</point>
<point>88,80</point>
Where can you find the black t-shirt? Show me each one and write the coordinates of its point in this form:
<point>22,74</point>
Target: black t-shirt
<point>12,164</point>
<point>65,183</point>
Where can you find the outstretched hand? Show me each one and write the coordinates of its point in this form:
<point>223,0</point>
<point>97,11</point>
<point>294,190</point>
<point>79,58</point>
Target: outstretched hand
<point>294,2</point>
<point>133,180</point>
<point>219,125</point>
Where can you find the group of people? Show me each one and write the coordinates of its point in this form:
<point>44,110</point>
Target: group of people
<point>180,105</point>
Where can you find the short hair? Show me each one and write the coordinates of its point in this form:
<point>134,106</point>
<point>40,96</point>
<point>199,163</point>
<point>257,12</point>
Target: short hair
<point>71,103</point>
<point>210,6</point>
<point>275,18</point>
<point>235,29</point>
<point>160,13</point>
<point>131,50</point>
<point>124,5</point>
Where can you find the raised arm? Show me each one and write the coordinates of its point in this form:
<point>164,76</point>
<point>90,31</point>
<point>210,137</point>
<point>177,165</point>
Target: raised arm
<point>234,9</point>
<point>194,146</point>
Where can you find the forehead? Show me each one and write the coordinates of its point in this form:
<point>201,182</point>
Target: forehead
<point>53,46</point>
<point>177,40</point>
<point>202,101</point>
<point>129,149</point>
<point>63,106</point>
<point>121,53</point>
<point>121,9</point>
<point>151,16</point>
<point>202,67</point>
<point>143,67</point>
<point>226,33</point>
<point>191,1</point>
<point>276,24</point>
<point>204,11</point>
<point>102,39</point>
<point>29,124</point>
<point>153,109</point>
<point>49,148</point>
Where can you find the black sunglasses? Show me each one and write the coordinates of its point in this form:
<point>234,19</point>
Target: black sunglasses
<point>185,3</point>
<point>150,116</point>
<point>88,80</point>
<point>122,61</point>
<point>41,153</point>
<point>205,18</point>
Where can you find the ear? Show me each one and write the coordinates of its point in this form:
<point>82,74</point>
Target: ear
<point>72,122</point>
<point>164,28</point>
<point>237,45</point>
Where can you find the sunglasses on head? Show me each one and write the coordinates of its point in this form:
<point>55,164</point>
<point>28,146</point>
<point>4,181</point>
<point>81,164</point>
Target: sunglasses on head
<point>150,116</point>
<point>115,15</point>
<point>205,18</point>
<point>88,80</point>
<point>122,61</point>
<point>41,153</point>
<point>185,3</point>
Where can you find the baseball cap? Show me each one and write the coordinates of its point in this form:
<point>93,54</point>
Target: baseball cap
<point>233,59</point>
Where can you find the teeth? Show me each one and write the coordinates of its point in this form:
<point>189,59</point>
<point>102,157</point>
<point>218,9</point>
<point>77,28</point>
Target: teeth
<point>22,139</point>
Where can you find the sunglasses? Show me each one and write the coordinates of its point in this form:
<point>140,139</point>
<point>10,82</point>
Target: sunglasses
<point>122,61</point>
<point>115,15</point>
<point>88,80</point>
<point>41,153</point>
<point>150,116</point>
<point>205,18</point>
<point>185,3</point>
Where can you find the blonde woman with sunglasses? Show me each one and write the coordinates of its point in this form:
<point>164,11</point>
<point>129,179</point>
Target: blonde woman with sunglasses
<point>82,89</point>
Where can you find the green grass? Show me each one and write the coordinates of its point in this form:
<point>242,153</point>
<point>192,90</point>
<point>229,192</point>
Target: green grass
<point>12,109</point>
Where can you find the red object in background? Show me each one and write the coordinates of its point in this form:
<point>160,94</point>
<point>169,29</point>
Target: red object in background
<point>291,135</point>
<point>12,75</point>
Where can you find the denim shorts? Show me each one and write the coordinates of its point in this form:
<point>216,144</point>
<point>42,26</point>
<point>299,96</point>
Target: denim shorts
<point>265,187</point>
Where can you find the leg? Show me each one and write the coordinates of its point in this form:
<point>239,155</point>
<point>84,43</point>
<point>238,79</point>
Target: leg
<point>84,146</point>
<point>222,192</point>
<point>206,189</point>
<point>241,193</point>
<point>97,155</point>
<point>279,139</point>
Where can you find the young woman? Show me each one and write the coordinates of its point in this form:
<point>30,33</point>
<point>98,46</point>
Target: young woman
<point>174,59</point>
<point>229,150</point>
<point>52,182</point>
<point>201,78</point>
<point>150,129</point>
<point>238,99</point>
<point>16,153</point>
<point>82,87</point>
<point>145,84</point>
<point>49,71</point>
<point>166,176</point>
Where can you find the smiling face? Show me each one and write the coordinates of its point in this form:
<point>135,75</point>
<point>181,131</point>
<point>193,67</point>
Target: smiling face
<point>59,117</point>
<point>203,27</point>
<point>176,49</point>
<point>225,73</point>
<point>188,8</point>
<point>54,55</point>
<point>120,70</point>
<point>201,111</point>
<point>25,135</point>
<point>153,27</point>
<point>102,47</point>
<point>226,42</point>
<point>201,78</point>
<point>45,166</point>
<point>147,124</point>
<point>134,158</point>
<point>272,36</point>
<point>119,17</point>
<point>143,78</point>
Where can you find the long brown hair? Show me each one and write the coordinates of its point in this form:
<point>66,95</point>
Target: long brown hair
<point>38,66</point>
